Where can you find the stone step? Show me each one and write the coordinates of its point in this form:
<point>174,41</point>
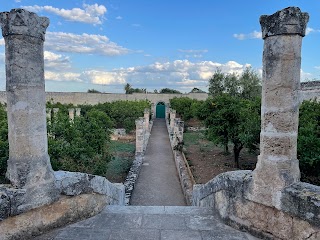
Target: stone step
<point>150,223</point>
<point>181,210</point>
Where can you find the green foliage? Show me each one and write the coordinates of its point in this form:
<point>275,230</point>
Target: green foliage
<point>93,91</point>
<point>129,90</point>
<point>309,138</point>
<point>186,107</point>
<point>80,145</point>
<point>116,146</point>
<point>246,86</point>
<point>124,113</point>
<point>197,90</point>
<point>169,90</point>
<point>232,119</point>
<point>118,166</point>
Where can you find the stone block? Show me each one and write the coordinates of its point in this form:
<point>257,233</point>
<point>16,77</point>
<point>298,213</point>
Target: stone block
<point>302,200</point>
<point>74,183</point>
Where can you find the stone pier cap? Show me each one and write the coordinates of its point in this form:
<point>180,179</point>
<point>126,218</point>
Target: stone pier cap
<point>22,22</point>
<point>286,21</point>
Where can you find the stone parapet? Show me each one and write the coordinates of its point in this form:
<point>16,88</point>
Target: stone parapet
<point>76,183</point>
<point>298,217</point>
<point>59,214</point>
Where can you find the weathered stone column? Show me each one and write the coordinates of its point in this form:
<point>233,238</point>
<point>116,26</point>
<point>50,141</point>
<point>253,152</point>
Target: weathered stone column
<point>78,112</point>
<point>172,117</point>
<point>29,164</point>
<point>71,113</point>
<point>277,165</point>
<point>146,118</point>
<point>177,131</point>
<point>180,129</point>
<point>139,135</point>
<point>167,112</point>
<point>153,110</point>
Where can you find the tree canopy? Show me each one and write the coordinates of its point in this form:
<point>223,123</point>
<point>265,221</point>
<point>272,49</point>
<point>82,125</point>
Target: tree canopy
<point>232,119</point>
<point>247,85</point>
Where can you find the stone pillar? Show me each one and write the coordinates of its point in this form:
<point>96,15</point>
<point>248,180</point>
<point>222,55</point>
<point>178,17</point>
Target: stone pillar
<point>48,114</point>
<point>172,117</point>
<point>180,129</point>
<point>146,119</point>
<point>28,164</point>
<point>277,165</point>
<point>167,112</point>
<point>153,111</point>
<point>139,135</point>
<point>78,112</point>
<point>71,113</point>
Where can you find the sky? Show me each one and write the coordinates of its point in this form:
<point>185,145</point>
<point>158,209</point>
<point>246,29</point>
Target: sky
<point>155,44</point>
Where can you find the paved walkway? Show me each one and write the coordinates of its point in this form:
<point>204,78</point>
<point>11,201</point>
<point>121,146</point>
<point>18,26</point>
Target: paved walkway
<point>150,223</point>
<point>158,183</point>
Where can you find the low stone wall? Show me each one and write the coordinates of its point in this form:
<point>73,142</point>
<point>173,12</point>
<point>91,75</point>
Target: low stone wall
<point>139,157</point>
<point>82,195</point>
<point>40,220</point>
<point>229,193</point>
<point>176,141</point>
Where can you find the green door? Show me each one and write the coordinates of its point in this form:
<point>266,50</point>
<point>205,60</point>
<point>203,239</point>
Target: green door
<point>160,110</point>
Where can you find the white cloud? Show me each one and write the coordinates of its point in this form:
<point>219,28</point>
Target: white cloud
<point>62,76</point>
<point>17,1</point>
<point>310,30</point>
<point>254,35</point>
<point>91,14</point>
<point>193,53</point>
<point>305,76</point>
<point>193,50</point>
<point>2,42</point>
<point>179,74</point>
<point>119,18</point>
<point>84,43</point>
<point>53,61</point>
<point>105,78</point>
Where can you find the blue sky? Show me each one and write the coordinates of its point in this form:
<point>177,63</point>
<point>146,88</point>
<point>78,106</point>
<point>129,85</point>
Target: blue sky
<point>153,44</point>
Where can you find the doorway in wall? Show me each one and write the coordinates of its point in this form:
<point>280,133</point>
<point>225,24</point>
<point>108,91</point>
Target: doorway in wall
<point>161,110</point>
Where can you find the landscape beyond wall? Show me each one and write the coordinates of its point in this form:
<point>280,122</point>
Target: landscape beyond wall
<point>77,98</point>
<point>308,91</point>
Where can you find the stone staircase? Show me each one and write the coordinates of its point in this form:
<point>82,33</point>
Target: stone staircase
<point>149,223</point>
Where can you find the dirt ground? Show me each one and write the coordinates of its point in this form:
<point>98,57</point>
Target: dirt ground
<point>207,160</point>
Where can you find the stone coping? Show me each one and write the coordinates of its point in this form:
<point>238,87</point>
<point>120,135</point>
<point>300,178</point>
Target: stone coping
<point>300,200</point>
<point>13,202</point>
<point>135,168</point>
<point>186,178</point>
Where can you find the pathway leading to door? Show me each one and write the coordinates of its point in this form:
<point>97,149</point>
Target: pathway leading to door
<point>158,183</point>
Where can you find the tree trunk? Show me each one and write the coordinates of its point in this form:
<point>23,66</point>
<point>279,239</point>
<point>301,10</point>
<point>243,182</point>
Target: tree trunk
<point>236,151</point>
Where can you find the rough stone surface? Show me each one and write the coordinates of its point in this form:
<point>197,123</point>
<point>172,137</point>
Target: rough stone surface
<point>140,136</point>
<point>303,201</point>
<point>29,165</point>
<point>228,194</point>
<point>287,21</point>
<point>71,113</point>
<point>277,165</point>
<point>62,212</point>
<point>75,183</point>
<point>152,223</point>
